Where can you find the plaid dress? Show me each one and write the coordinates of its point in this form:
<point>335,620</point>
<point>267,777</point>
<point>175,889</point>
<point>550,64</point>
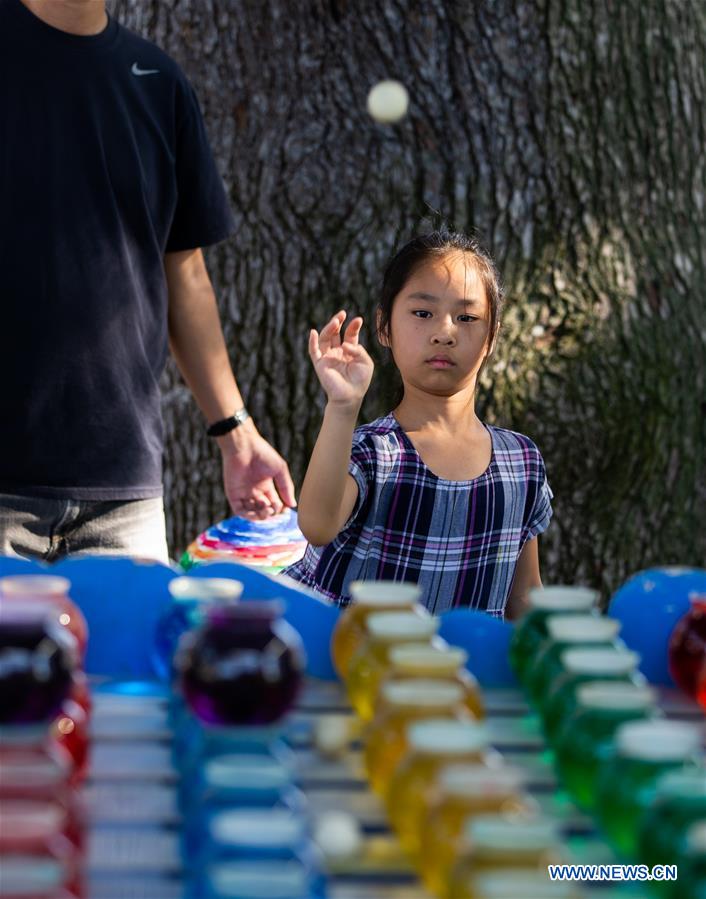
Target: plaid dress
<point>460,540</point>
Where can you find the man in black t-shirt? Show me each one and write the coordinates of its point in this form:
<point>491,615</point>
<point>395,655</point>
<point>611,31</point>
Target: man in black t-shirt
<point>108,191</point>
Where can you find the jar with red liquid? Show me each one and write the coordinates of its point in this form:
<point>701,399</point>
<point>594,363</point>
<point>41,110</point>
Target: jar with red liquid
<point>687,649</point>
<point>242,666</point>
<point>36,770</point>
<point>52,593</point>
<point>33,837</point>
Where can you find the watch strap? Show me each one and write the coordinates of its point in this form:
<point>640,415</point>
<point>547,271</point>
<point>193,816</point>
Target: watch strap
<point>225,425</point>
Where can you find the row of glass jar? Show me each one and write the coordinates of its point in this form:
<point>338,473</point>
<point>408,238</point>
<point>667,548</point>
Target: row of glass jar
<point>460,812</point>
<point>44,712</point>
<point>641,776</point>
<point>247,831</point>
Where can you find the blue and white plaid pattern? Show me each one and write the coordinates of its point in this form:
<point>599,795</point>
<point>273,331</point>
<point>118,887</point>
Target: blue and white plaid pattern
<point>460,540</point>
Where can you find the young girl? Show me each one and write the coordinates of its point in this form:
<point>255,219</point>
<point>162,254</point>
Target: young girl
<point>428,493</point>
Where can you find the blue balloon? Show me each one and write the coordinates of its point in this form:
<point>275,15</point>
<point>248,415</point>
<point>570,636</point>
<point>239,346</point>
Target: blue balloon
<point>648,606</point>
<point>486,640</point>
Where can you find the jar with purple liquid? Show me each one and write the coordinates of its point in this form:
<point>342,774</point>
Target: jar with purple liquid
<point>242,666</point>
<point>36,665</point>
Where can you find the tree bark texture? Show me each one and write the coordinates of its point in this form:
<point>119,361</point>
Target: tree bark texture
<point>569,135</point>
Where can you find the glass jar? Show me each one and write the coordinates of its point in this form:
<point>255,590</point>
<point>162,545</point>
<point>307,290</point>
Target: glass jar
<point>367,597</point>
<point>462,792</point>
<point>439,662</point>
<point>433,745</point>
<point>585,739</point>
<point>191,596</point>
<point>35,769</point>
<point>518,883</point>
<point>51,593</point>
<point>531,629</point>
<point>691,864</point>
<point>581,666</point>
<point>687,647</point>
<point>36,676</point>
<point>679,801</point>
<point>274,836</point>
<point>567,632</point>
<point>402,703</point>
<point>243,665</point>
<point>371,663</point>
<point>494,843</point>
<point>642,751</point>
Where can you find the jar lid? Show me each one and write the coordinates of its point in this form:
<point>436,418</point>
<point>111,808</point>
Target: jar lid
<point>479,780</point>
<point>413,657</point>
<point>391,626</point>
<point>696,838</point>
<point>522,883</point>
<point>503,833</point>
<point>421,692</point>
<point>205,588</point>
<point>561,598</point>
<point>615,695</point>
<point>600,661</point>
<point>446,736</point>
<point>34,585</point>
<point>259,880</point>
<point>657,740</point>
<point>265,828</point>
<point>582,628</point>
<point>246,772</point>
<point>685,783</point>
<point>385,593</point>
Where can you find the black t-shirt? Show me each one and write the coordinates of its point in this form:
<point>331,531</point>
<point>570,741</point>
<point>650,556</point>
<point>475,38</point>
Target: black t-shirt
<point>104,167</point>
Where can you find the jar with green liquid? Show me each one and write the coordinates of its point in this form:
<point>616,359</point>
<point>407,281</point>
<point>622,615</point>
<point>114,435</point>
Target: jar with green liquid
<point>679,801</point>
<point>567,632</point>
<point>642,751</point>
<point>580,667</point>
<point>691,864</point>
<point>586,738</point>
<point>531,630</point>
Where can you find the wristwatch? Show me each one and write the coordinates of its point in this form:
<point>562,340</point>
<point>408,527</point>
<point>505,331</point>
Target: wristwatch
<point>225,425</point>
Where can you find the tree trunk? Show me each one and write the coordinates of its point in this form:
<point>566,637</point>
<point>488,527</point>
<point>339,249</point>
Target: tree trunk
<point>568,135</point>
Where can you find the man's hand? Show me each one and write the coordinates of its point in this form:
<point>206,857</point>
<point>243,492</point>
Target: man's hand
<point>256,478</point>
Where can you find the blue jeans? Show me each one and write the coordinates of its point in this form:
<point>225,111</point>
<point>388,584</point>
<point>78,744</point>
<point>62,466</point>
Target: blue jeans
<point>49,529</point>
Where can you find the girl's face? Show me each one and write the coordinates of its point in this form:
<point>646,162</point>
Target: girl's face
<point>439,326</point>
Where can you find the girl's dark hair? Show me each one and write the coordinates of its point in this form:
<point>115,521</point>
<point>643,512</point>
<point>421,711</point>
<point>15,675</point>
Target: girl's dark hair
<point>437,244</point>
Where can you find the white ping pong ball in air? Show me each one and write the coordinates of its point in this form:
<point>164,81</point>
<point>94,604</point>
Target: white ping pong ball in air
<point>388,102</point>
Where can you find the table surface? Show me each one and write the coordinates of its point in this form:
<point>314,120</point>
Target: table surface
<point>133,844</point>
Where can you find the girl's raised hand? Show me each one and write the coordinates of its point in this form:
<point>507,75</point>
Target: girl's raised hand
<point>343,366</point>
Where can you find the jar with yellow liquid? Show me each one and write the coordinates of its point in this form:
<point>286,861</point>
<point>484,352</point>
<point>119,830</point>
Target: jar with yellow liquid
<point>402,702</point>
<point>520,883</point>
<point>496,843</point>
<point>371,663</point>
<point>433,745</point>
<point>367,597</point>
<point>437,662</point>
<point>463,791</point>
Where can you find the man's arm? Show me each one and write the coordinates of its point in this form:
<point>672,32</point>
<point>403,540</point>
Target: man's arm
<point>256,478</point>
<point>526,576</point>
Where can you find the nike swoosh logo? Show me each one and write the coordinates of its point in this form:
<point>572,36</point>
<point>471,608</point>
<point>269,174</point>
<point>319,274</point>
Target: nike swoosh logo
<point>136,70</point>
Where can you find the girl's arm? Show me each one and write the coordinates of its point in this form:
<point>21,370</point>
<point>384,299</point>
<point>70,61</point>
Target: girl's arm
<point>345,370</point>
<point>526,576</point>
